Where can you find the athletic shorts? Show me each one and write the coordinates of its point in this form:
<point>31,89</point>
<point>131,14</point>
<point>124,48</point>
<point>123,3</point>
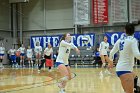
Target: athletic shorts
<point>29,56</point>
<point>119,73</point>
<point>1,54</point>
<point>13,57</point>
<point>103,52</point>
<point>59,63</point>
<point>22,54</point>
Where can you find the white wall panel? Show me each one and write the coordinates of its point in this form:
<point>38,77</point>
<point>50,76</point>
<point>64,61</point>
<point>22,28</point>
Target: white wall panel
<point>59,14</point>
<point>33,15</point>
<point>4,14</point>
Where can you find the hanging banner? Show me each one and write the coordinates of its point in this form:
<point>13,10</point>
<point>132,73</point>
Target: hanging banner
<point>81,12</point>
<point>100,11</point>
<point>114,36</point>
<point>119,11</point>
<point>134,10</point>
<point>77,39</point>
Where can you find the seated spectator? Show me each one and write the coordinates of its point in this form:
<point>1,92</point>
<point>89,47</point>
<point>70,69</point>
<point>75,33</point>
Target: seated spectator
<point>97,57</point>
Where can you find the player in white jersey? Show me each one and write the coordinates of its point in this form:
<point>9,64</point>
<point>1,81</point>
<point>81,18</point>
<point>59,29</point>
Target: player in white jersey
<point>22,55</point>
<point>103,49</point>
<point>128,49</point>
<point>29,56</point>
<point>2,51</point>
<point>38,50</point>
<point>12,53</point>
<point>62,60</point>
<point>48,53</point>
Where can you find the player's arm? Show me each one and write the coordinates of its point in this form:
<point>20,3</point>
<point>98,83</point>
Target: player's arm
<point>25,50</point>
<point>35,49</point>
<point>40,48</point>
<point>9,51</point>
<point>15,51</point>
<point>4,49</point>
<point>108,49</point>
<point>75,48</point>
<point>65,44</point>
<point>45,51</point>
<point>100,46</point>
<point>135,49</point>
<point>32,52</point>
<point>18,49</point>
<point>114,50</point>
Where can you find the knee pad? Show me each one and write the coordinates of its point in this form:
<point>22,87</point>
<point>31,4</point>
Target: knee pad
<point>65,78</point>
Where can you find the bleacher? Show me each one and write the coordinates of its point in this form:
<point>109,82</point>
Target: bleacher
<point>86,56</point>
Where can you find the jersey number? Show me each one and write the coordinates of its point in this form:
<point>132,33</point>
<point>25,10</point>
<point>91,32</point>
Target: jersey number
<point>67,51</point>
<point>121,45</point>
<point>105,47</point>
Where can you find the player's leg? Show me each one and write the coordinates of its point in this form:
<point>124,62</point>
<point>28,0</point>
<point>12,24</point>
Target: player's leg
<point>127,81</point>
<point>12,60</point>
<point>29,61</point>
<point>69,72</point>
<point>64,72</point>
<point>136,83</point>
<point>23,56</point>
<point>41,65</point>
<point>0,61</point>
<point>2,57</point>
<point>109,69</point>
<point>103,61</point>
<point>103,64</point>
<point>15,62</point>
<point>20,60</point>
<point>69,75</point>
<point>37,58</point>
<point>32,63</point>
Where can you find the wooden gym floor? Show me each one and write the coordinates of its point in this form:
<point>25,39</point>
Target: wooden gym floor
<point>87,80</point>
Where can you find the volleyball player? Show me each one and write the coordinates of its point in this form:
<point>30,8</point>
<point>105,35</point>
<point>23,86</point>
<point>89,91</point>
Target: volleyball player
<point>2,51</point>
<point>62,60</point>
<point>128,49</point>
<point>22,55</point>
<point>48,53</point>
<point>103,49</point>
<point>29,56</point>
<point>38,50</point>
<point>12,53</point>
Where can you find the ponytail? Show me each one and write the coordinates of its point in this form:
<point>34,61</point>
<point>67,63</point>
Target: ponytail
<point>63,37</point>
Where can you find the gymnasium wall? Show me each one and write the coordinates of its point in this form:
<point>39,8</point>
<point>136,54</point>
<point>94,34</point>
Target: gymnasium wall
<point>4,14</point>
<point>56,13</point>
<point>5,32</point>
